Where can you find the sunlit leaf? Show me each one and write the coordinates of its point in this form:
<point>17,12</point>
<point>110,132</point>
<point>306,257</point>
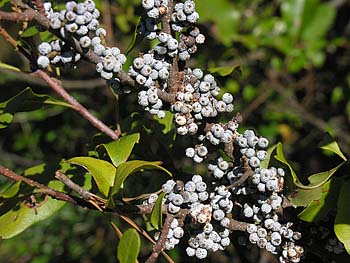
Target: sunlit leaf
<point>156,215</point>
<point>265,163</point>
<point>129,246</point>
<point>103,172</point>
<point>136,38</point>
<point>9,190</point>
<point>334,147</point>
<point>126,169</point>
<point>167,122</point>
<point>120,150</point>
<point>342,219</point>
<point>224,70</point>
<point>30,31</point>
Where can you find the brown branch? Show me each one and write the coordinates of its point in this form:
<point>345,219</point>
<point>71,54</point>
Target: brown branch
<point>248,172</point>
<point>45,189</point>
<point>159,246</point>
<point>76,105</point>
<point>165,21</point>
<point>40,6</point>
<point>238,225</point>
<point>69,183</point>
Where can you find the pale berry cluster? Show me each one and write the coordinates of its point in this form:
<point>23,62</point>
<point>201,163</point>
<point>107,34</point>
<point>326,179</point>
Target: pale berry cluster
<point>183,16</point>
<point>196,101</point>
<point>79,21</point>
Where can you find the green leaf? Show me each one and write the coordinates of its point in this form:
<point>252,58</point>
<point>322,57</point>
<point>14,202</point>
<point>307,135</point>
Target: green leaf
<point>157,215</point>
<point>334,147</point>
<point>128,168</point>
<point>26,100</point>
<point>7,66</point>
<point>265,163</point>
<point>3,2</point>
<point>129,246</point>
<point>317,180</point>
<point>319,208</point>
<point>167,122</point>
<point>103,172</point>
<point>303,197</point>
<point>120,150</point>
<point>9,190</point>
<point>280,157</point>
<point>317,20</point>
<point>136,38</point>
<point>226,24</point>
<point>30,31</point>
<point>342,219</point>
<point>22,217</point>
<point>225,70</point>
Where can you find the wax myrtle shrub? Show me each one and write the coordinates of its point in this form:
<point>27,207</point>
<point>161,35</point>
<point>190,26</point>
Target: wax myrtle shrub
<point>176,170</point>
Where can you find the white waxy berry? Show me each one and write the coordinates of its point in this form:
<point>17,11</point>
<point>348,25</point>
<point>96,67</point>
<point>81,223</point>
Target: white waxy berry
<point>173,208</point>
<point>262,232</point>
<point>218,214</point>
<point>204,86</point>
<point>201,186</point>
<point>248,211</point>
<point>141,79</point>
<point>192,128</point>
<point>43,62</point>
<point>180,120</point>
<point>263,143</point>
<point>178,232</point>
<point>190,186</point>
<point>101,31</point>
<point>168,186</point>
<point>218,173</point>
<point>227,98</point>
<point>172,44</point>
<point>138,63</point>
<point>163,73</point>
<point>189,7</point>
<point>261,154</point>
<point>177,200</point>
<point>276,239</point>
<point>225,241</point>
<point>106,75</point>
<point>85,41</point>
<point>250,152</point>
<point>147,4</point>
<point>190,152</point>
<point>202,151</point>
<point>153,13</point>
<point>196,178</point>
<point>190,251</point>
<point>152,198</point>
<point>254,162</point>
<point>44,48</point>
<point>72,27</point>
<point>163,37</point>
<point>192,18</point>
<point>252,228</point>
<point>201,253</point>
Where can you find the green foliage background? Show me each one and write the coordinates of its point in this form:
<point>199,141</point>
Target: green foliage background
<point>292,85</point>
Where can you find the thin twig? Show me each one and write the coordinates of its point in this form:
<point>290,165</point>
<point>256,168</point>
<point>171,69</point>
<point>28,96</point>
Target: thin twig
<point>77,106</point>
<point>45,189</point>
<point>159,246</point>
<point>69,183</point>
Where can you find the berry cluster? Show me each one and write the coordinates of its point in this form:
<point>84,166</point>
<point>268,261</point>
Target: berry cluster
<point>238,186</point>
<point>183,16</point>
<point>79,21</point>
